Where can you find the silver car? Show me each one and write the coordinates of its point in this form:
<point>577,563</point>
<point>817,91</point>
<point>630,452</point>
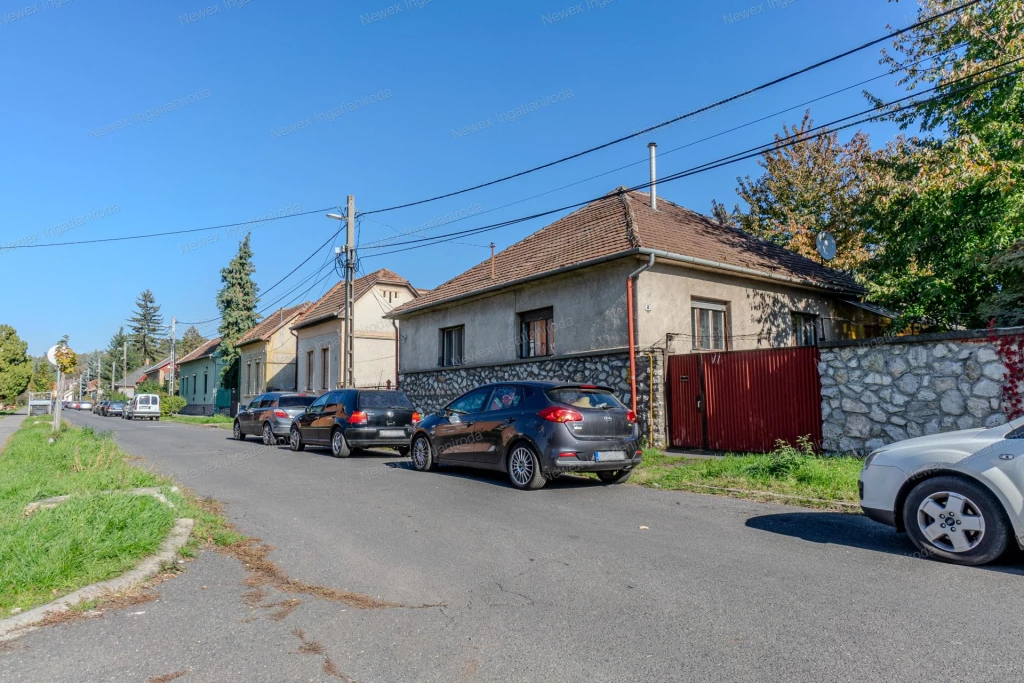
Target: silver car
<point>270,415</point>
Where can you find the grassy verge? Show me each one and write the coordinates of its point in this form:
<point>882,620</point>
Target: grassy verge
<point>222,421</point>
<point>787,475</point>
<point>100,532</point>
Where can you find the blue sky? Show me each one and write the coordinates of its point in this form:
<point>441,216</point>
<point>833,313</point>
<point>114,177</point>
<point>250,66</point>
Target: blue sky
<point>387,103</point>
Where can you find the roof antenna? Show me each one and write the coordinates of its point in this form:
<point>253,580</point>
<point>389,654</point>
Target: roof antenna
<point>492,260</point>
<point>653,146</point>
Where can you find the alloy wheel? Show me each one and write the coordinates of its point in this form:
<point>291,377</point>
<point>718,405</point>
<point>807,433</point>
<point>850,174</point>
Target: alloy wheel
<point>521,466</point>
<point>294,440</point>
<point>268,435</point>
<point>951,522</point>
<point>238,432</point>
<point>419,453</point>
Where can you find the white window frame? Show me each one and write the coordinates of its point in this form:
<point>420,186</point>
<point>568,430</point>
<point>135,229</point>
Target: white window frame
<point>715,307</point>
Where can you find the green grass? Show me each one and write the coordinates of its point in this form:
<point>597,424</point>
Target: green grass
<point>795,475</point>
<point>92,536</point>
<point>222,421</point>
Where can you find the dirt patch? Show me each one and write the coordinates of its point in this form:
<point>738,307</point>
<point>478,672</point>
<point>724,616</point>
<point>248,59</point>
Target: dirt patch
<point>167,677</point>
<point>284,608</point>
<point>312,647</point>
<point>263,574</point>
<point>254,596</point>
<point>95,610</point>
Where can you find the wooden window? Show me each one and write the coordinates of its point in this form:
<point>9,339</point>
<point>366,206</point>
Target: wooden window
<point>537,333</point>
<point>325,367</point>
<point>259,379</point>
<point>709,326</point>
<point>453,340</point>
<point>805,329</point>
<point>248,378</point>
<point>309,371</point>
<point>206,383</point>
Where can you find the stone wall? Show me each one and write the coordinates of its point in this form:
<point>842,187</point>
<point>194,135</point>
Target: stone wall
<point>877,392</point>
<point>198,409</point>
<point>433,389</point>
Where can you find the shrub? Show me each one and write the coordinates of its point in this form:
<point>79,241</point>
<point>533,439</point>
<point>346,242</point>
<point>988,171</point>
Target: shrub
<point>171,405</point>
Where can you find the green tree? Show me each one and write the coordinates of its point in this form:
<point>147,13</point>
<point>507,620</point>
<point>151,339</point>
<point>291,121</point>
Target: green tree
<point>809,186</point>
<point>114,358</point>
<point>236,302</point>
<point>15,365</point>
<point>190,341</point>
<point>146,325</point>
<point>1007,304</point>
<point>43,376</point>
<point>945,203</point>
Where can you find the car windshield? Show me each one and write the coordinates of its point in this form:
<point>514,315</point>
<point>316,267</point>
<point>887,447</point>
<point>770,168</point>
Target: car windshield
<point>582,397</point>
<point>295,401</point>
<point>384,399</point>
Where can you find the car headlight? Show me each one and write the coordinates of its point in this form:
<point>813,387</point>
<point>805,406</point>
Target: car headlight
<point>874,454</point>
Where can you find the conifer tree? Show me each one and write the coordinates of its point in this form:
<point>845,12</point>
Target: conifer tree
<point>236,302</point>
<point>146,325</point>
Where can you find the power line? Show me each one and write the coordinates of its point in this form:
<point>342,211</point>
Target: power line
<point>824,129</point>
<point>681,117</point>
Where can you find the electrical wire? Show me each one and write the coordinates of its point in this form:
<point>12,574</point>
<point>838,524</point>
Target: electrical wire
<point>824,129</point>
<point>689,114</point>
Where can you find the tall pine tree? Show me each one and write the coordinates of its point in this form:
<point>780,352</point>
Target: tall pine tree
<point>146,325</point>
<point>236,301</point>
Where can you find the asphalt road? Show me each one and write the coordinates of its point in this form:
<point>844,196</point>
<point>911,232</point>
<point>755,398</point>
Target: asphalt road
<point>560,584</point>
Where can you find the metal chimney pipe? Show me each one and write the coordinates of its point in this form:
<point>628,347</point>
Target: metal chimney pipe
<point>653,147</point>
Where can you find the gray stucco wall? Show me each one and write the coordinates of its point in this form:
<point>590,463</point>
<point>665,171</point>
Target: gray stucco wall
<point>881,391</point>
<point>589,309</point>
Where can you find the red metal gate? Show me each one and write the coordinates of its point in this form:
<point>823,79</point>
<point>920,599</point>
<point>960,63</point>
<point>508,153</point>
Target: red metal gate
<point>745,400</point>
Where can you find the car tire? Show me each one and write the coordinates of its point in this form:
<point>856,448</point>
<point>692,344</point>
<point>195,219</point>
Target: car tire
<point>236,432</point>
<point>268,435</point>
<point>614,476</point>
<point>295,440</point>
<point>979,533</point>
<point>339,447</point>
<point>403,451</point>
<point>423,455</point>
<point>524,468</point>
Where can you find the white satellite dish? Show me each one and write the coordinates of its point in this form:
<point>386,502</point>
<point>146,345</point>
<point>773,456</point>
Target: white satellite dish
<point>826,245</point>
<point>51,355</point>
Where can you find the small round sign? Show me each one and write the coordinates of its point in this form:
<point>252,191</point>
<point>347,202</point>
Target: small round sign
<point>826,245</point>
<point>51,355</point>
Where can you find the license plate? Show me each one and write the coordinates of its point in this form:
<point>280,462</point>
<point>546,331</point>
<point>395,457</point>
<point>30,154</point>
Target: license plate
<point>392,433</point>
<point>608,456</point>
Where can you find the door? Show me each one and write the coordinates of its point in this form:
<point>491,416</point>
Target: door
<point>458,437</point>
<point>245,415</point>
<point>502,410</point>
<point>307,419</point>
<point>334,409</point>
<point>686,401</point>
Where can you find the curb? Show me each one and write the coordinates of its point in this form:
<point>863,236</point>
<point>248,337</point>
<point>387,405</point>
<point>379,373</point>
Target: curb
<point>18,625</point>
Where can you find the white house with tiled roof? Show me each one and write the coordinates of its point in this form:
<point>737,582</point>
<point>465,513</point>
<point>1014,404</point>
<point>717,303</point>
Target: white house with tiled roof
<point>554,305</point>
<point>320,330</point>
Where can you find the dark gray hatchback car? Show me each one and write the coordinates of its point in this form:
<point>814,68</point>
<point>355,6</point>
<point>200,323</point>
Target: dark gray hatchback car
<point>270,415</point>
<point>534,431</point>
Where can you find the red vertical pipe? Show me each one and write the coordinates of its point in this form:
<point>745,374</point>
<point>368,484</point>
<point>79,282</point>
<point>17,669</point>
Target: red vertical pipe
<point>632,342</point>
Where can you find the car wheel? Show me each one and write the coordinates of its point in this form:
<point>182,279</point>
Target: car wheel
<point>524,468</point>
<point>422,455</point>
<point>403,451</point>
<point>339,447</point>
<point>295,440</point>
<point>956,520</point>
<point>268,435</point>
<point>615,476</point>
<point>237,432</point>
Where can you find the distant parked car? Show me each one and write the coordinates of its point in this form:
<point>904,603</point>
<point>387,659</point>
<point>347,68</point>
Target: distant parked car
<point>145,407</point>
<point>270,415</point>
<point>957,495</point>
<point>114,408</point>
<point>97,407</point>
<point>534,431</point>
<point>85,405</point>
<point>352,419</point>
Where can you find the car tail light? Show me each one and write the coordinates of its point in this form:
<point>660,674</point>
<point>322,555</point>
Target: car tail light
<point>567,454</point>
<point>357,418</point>
<point>280,413</point>
<point>588,386</point>
<point>639,453</point>
<point>554,414</point>
<point>631,416</point>
<point>415,418</point>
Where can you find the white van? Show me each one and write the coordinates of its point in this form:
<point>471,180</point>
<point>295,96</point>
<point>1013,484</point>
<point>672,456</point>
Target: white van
<point>145,406</point>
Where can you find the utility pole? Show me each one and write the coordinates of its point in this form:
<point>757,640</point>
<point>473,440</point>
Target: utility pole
<point>173,348</point>
<point>350,292</point>
<point>124,369</point>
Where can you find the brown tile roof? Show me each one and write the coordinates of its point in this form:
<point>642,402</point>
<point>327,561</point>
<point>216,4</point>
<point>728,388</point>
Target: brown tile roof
<point>272,323</point>
<point>622,222</point>
<point>204,350</point>
<point>332,304</point>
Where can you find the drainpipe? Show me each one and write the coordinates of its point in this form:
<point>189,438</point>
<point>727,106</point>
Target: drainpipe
<point>394,323</point>
<point>630,326</point>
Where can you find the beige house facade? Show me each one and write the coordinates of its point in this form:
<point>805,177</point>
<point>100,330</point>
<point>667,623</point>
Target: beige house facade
<point>268,354</point>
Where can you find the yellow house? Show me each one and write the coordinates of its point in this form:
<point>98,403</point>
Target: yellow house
<point>321,329</point>
<point>267,360</point>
